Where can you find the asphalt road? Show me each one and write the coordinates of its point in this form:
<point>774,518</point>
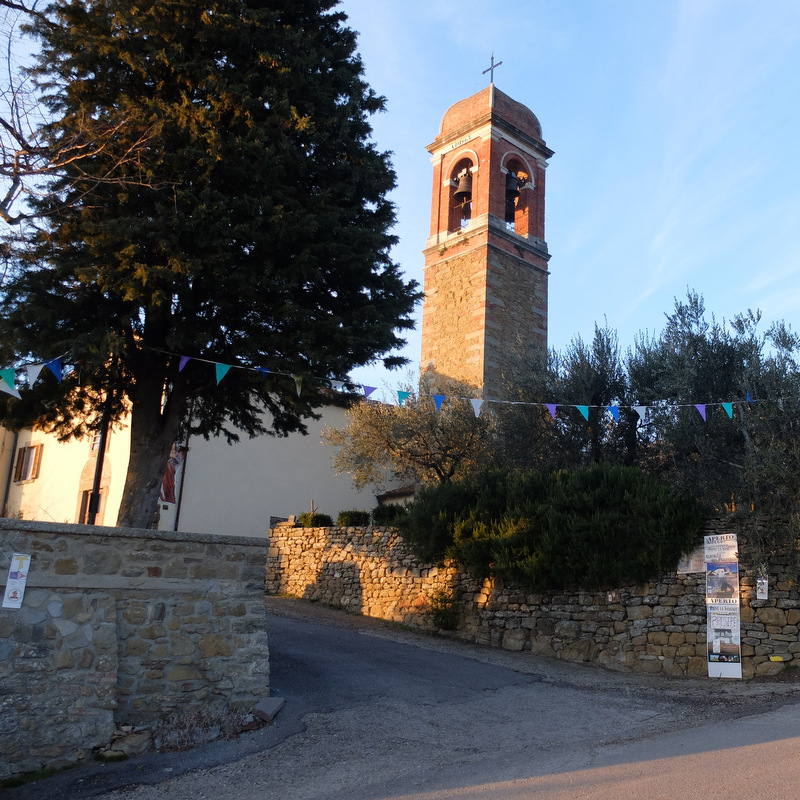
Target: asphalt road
<point>375,713</point>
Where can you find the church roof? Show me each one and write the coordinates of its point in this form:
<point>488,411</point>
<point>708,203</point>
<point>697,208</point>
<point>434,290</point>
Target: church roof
<point>490,100</point>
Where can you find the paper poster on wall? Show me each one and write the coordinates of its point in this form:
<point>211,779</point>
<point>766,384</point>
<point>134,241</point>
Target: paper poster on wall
<point>17,578</point>
<point>692,562</point>
<point>721,547</point>
<point>722,581</point>
<point>724,642</point>
<point>723,631</point>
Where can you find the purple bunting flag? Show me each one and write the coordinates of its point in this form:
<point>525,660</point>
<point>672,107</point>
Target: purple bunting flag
<point>701,409</point>
<point>551,407</point>
<point>183,362</point>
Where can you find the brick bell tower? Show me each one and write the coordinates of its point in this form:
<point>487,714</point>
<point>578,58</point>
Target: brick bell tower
<point>486,258</point>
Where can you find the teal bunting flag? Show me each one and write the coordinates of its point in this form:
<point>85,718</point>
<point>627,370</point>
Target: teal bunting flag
<point>222,371</point>
<point>584,411</point>
<point>728,409</point>
<point>402,397</point>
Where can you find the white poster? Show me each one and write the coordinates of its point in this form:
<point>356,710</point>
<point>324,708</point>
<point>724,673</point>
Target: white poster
<point>723,631</point>
<point>721,547</point>
<point>17,578</point>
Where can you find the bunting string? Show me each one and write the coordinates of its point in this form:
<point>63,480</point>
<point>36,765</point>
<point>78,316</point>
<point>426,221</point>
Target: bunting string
<point>57,367</point>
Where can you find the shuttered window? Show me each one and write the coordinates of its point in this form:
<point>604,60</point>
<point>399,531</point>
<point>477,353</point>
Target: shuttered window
<point>28,461</point>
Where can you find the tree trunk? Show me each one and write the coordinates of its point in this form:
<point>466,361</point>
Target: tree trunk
<point>153,432</point>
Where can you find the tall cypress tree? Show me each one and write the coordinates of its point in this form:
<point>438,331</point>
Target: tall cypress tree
<point>227,205</point>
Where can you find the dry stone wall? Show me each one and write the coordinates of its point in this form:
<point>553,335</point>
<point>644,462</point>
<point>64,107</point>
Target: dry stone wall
<point>124,626</point>
<point>659,627</point>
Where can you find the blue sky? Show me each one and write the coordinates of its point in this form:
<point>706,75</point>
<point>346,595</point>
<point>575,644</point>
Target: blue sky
<point>676,130</point>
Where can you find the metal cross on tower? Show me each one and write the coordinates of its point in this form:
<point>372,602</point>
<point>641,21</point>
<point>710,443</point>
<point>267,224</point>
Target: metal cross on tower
<point>492,68</point>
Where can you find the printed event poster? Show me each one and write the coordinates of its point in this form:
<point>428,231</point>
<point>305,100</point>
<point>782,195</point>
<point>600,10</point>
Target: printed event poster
<point>17,578</point>
<point>721,547</point>
<point>723,632</point>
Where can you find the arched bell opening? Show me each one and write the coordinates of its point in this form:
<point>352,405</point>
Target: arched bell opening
<point>517,183</point>
<point>461,180</point>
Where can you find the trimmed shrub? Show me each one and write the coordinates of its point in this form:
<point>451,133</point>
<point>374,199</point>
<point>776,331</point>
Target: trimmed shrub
<point>353,519</point>
<point>315,520</point>
<point>592,528</point>
<point>389,515</point>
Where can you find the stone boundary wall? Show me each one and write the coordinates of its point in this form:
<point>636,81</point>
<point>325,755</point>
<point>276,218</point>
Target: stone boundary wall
<point>122,626</point>
<point>657,627</point>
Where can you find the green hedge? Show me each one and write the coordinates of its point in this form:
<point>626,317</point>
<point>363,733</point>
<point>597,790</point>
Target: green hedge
<point>389,514</point>
<point>591,528</point>
<point>353,519</point>
<point>315,520</point>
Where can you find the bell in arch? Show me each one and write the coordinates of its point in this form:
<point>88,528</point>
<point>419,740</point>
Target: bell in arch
<point>512,185</point>
<point>463,192</point>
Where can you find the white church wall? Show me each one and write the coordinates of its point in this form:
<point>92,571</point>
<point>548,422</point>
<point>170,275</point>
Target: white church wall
<point>236,489</point>
<point>227,489</point>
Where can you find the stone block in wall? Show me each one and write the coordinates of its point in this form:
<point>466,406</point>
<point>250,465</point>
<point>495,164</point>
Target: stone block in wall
<point>771,616</point>
<point>581,650</point>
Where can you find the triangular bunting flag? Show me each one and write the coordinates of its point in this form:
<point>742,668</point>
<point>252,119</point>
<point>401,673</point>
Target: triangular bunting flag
<point>780,403</point>
<point>183,362</point>
<point>584,411</point>
<point>551,407</point>
<point>476,406</point>
<point>402,397</point>
<point>264,371</point>
<point>701,408</point>
<point>728,409</point>
<point>642,412</point>
<point>55,367</point>
<point>438,399</point>
<point>33,372</point>
<point>337,386</point>
<point>298,383</point>
<point>8,374</point>
<point>614,412</point>
<point>368,390</point>
<point>222,371</point>
<point>4,387</point>
<point>748,398</point>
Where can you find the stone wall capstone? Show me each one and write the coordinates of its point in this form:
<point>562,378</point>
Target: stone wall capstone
<point>659,627</point>
<point>123,626</point>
